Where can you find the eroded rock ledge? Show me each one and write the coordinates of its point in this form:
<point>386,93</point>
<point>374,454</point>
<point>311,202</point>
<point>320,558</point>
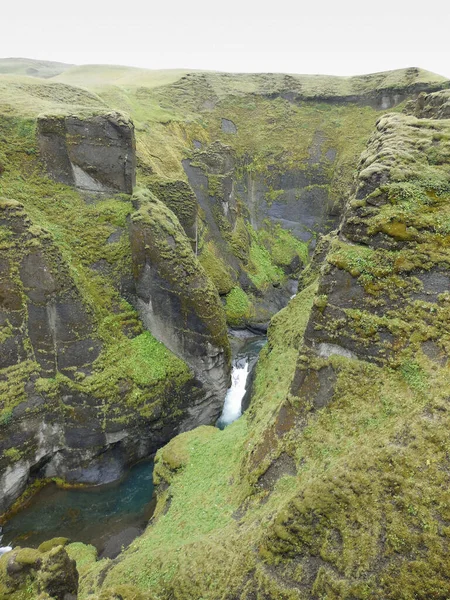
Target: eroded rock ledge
<point>93,153</point>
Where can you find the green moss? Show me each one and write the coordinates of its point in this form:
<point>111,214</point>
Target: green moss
<point>179,197</point>
<point>13,454</point>
<point>83,554</point>
<point>261,267</point>
<point>282,246</point>
<point>53,543</point>
<point>415,376</point>
<point>238,307</point>
<point>28,556</point>
<point>240,240</point>
<point>12,388</point>
<point>216,268</point>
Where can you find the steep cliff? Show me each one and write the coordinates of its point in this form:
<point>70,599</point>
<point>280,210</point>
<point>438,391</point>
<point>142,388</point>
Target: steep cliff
<point>178,303</point>
<point>63,366</point>
<point>85,388</point>
<point>95,153</point>
<point>335,483</point>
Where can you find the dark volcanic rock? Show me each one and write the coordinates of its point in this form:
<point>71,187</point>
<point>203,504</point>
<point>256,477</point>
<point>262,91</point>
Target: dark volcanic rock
<point>95,153</point>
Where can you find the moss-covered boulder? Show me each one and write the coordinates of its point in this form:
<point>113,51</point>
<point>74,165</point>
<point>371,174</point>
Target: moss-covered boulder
<point>28,573</point>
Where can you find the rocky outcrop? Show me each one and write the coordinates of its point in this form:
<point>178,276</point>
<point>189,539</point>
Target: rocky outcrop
<point>48,572</point>
<point>388,257</point>
<point>177,301</point>
<point>93,153</point>
<point>430,106</point>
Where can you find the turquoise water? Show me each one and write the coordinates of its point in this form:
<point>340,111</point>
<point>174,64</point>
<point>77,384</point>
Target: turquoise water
<point>105,516</point>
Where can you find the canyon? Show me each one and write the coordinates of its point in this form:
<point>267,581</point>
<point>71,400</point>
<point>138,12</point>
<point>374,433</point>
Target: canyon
<point>143,215</point>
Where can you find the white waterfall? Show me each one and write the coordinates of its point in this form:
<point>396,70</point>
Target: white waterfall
<point>3,549</point>
<point>232,408</point>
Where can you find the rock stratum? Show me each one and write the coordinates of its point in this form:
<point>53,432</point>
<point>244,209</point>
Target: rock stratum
<point>334,483</point>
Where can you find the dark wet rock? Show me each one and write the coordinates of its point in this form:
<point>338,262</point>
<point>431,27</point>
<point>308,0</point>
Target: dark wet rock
<point>280,467</point>
<point>118,542</point>
<point>115,236</point>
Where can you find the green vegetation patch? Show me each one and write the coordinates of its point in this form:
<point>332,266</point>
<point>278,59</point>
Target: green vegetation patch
<point>282,246</point>
<point>238,307</point>
<point>216,268</point>
<point>261,267</point>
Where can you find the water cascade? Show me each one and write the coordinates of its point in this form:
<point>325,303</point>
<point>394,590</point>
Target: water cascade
<point>232,408</point>
<point>245,353</point>
<point>3,549</point>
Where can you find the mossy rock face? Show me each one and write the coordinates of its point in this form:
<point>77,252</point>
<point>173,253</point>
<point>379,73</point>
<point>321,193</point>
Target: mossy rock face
<point>59,357</point>
<point>176,299</point>
<point>180,198</point>
<point>430,106</point>
<point>95,153</point>
<point>28,557</point>
<point>389,266</point>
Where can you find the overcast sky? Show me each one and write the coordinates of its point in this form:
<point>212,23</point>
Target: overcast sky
<point>341,37</point>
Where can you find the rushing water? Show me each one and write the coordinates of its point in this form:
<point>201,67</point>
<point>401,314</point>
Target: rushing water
<point>245,353</point>
<point>3,549</point>
<point>105,516</point>
<point>110,517</point>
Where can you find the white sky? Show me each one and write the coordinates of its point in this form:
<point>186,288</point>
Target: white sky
<point>343,37</point>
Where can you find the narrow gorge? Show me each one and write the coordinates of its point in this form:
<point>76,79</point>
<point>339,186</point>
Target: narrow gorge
<point>158,231</point>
